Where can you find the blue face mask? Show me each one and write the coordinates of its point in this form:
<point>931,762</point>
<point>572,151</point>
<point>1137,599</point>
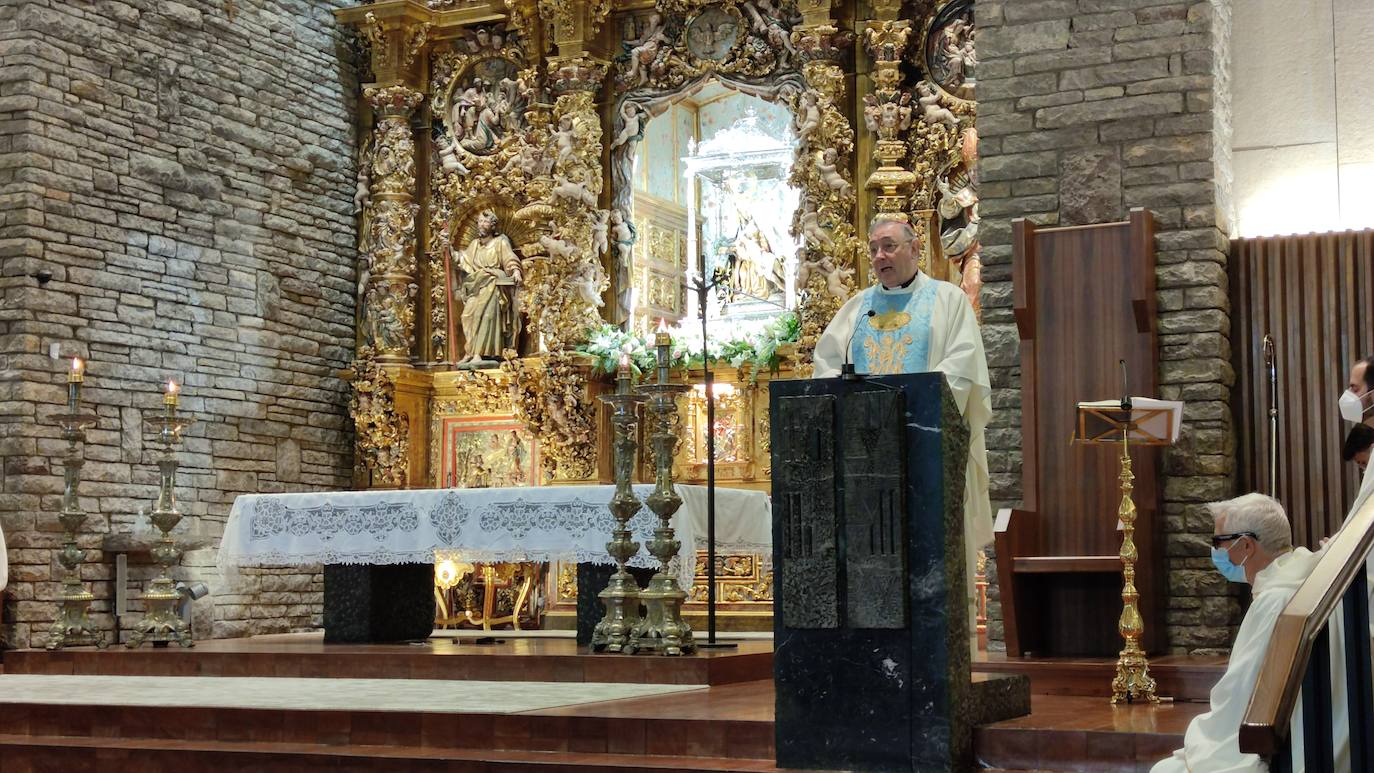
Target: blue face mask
<point>1231,571</point>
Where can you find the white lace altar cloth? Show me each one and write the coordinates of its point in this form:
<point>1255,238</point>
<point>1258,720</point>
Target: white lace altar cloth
<point>539,523</point>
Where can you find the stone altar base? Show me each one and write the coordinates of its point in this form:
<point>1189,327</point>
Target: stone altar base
<point>364,603</point>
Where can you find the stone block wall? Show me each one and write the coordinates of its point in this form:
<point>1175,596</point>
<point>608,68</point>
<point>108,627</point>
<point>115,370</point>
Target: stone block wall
<point>185,172</point>
<point>1088,108</point>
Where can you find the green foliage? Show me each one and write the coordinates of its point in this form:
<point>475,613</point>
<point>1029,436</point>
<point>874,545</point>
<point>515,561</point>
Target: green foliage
<point>754,343</point>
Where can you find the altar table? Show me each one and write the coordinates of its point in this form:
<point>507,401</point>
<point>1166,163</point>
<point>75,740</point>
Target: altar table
<point>488,525</point>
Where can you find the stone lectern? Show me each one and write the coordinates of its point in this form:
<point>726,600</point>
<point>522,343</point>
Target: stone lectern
<point>871,632</point>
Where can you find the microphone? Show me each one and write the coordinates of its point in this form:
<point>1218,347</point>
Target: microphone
<point>847,369</point>
<point>1125,389</point>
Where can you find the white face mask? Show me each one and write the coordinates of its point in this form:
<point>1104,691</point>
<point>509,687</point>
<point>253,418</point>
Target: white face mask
<point>1352,407</point>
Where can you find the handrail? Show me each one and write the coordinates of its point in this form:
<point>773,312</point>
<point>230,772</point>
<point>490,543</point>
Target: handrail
<point>1267,717</point>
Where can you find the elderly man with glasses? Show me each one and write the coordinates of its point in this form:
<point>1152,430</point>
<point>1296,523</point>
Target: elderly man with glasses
<point>1252,544</point>
<point>910,323</point>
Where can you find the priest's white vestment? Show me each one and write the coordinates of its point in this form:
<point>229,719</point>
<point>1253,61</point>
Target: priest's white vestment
<point>1212,742</point>
<point>955,348</point>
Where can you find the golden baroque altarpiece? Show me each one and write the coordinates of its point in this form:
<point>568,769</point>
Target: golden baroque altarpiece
<point>497,146</point>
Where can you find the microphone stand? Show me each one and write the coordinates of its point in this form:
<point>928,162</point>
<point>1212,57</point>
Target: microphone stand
<point>1271,362</point>
<point>701,287</point>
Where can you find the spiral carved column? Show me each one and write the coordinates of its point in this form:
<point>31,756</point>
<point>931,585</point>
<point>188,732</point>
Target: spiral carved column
<point>390,288</point>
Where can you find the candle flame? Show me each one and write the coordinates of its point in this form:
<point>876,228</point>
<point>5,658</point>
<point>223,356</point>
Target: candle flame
<point>662,325</point>
<point>171,387</point>
<point>77,364</point>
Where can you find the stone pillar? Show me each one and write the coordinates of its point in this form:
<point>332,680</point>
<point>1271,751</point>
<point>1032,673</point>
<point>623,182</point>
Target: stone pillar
<point>1086,110</point>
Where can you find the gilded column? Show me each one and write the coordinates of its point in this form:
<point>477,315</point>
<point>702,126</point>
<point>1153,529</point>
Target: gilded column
<point>825,154</point>
<point>390,286</point>
<point>887,111</point>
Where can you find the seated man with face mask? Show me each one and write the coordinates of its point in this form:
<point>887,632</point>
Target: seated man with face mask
<point>1252,544</point>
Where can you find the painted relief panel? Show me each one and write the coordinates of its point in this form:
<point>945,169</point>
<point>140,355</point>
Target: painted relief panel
<point>486,452</point>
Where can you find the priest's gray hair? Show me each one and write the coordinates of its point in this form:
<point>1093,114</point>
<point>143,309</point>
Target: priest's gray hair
<point>1256,513</point>
<point>908,233</point>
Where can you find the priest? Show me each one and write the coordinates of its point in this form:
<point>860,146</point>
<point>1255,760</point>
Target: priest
<point>911,323</point>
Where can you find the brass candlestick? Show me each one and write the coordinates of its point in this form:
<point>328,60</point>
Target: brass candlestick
<point>161,623</point>
<point>663,630</point>
<point>1133,678</point>
<point>621,595</point>
<point>73,626</point>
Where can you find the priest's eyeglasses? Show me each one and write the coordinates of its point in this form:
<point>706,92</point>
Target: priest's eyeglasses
<point>1219,539</point>
<point>886,248</point>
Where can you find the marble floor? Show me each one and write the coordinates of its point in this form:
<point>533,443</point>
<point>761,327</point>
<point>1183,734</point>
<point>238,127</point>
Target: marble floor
<point>428,695</point>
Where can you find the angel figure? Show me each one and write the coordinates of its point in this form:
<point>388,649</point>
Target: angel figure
<point>601,231</point>
<point>830,176</point>
<point>825,267</point>
<point>641,56</point>
<point>808,115</point>
<point>573,191</point>
<point>931,110</point>
<point>653,30</point>
<point>558,247</point>
<point>565,139</point>
<point>781,41</point>
<point>872,112</point>
<point>811,226</point>
<point>622,236</point>
<point>632,128</point>
<point>585,284</point>
<point>448,159</point>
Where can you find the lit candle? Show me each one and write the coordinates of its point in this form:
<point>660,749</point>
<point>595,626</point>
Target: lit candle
<point>169,397</point>
<point>664,343</point>
<point>74,378</point>
<point>622,376</point>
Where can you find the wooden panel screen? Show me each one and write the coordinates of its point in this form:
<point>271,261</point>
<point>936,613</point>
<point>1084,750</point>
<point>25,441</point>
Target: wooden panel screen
<point>1315,295</point>
<point>1084,299</point>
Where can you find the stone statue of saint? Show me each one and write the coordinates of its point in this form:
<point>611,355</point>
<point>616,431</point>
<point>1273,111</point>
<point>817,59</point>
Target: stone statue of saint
<point>490,272</point>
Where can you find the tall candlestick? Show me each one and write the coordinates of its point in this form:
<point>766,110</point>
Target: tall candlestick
<point>73,626</point>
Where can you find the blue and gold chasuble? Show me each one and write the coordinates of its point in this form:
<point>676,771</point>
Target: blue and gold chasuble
<point>892,334</point>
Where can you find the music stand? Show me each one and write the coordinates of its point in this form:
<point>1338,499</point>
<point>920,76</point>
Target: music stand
<point>1149,422</point>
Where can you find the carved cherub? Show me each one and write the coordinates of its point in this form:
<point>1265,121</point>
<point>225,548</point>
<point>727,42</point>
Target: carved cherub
<point>931,110</point>
<point>824,266</point>
<point>811,226</point>
<point>565,139</point>
<point>573,191</point>
<point>830,176</point>
<point>808,115</point>
<point>872,111</point>
<point>600,231</point>
<point>641,56</point>
<point>448,159</point>
<point>558,247</point>
<point>781,41</point>
<point>622,235</point>
<point>585,284</point>
<point>632,128</point>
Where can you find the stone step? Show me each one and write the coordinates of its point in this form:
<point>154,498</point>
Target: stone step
<point>532,660</point>
<point>434,731</point>
<point>25,753</point>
